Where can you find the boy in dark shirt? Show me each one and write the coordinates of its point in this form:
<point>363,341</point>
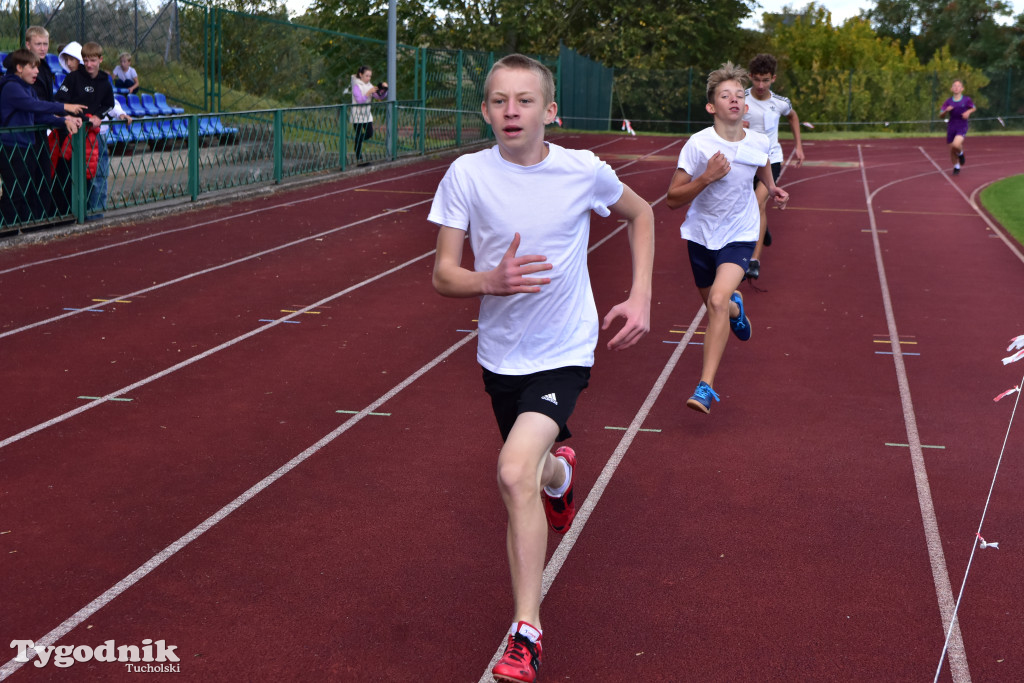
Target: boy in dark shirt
<point>24,177</point>
<point>37,41</point>
<point>91,86</point>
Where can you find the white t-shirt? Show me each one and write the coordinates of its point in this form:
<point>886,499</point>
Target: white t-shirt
<point>764,116</point>
<point>549,205</point>
<point>130,75</point>
<point>726,210</point>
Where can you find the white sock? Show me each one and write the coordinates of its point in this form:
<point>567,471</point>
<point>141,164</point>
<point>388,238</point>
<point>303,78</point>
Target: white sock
<point>524,629</point>
<point>956,165</point>
<point>565,484</point>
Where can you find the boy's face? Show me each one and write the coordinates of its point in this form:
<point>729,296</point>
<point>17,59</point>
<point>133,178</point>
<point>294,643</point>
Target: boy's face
<point>762,85</point>
<point>72,63</point>
<point>729,103</point>
<point>957,88</point>
<point>38,45</point>
<point>517,113</point>
<point>125,63</point>
<point>28,72</point>
<point>92,64</point>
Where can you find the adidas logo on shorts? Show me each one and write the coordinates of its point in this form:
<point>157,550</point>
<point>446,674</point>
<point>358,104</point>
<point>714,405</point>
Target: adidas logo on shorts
<point>550,398</point>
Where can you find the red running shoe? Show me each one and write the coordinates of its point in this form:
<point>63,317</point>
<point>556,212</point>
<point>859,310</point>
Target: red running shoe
<point>521,660</point>
<point>561,511</point>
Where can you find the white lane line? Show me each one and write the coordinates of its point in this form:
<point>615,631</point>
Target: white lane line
<point>940,573</point>
<point>583,513</point>
<point>561,553</point>
<point>212,269</point>
<point>73,312</point>
<point>222,219</point>
<point>206,354</point>
<point>53,636</point>
<point>999,232</point>
<point>127,582</point>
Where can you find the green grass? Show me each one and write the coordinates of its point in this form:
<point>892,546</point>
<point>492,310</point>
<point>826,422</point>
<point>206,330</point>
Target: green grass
<point>1005,201</point>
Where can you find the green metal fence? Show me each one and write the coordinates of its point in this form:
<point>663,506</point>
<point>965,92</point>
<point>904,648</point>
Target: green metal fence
<point>244,149</point>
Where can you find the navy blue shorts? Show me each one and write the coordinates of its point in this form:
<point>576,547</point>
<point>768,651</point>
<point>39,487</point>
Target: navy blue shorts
<point>705,262</point>
<point>549,392</point>
<point>776,172</point>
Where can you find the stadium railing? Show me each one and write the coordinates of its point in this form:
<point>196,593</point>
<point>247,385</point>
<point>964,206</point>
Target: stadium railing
<point>185,157</point>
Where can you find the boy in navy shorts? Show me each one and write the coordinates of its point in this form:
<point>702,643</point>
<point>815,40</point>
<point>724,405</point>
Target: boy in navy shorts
<point>538,321</point>
<point>715,176</point>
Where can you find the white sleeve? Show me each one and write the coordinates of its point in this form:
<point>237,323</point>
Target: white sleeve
<point>691,160</point>
<point>450,207</point>
<point>607,188</point>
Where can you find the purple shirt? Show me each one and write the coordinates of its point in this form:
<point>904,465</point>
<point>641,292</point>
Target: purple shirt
<point>957,114</point>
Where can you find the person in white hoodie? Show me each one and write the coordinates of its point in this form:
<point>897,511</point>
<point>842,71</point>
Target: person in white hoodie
<point>361,116</point>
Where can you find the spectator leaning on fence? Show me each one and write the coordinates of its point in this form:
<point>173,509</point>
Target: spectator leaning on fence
<point>37,41</point>
<point>91,86</point>
<point>362,117</point>
<point>20,160</point>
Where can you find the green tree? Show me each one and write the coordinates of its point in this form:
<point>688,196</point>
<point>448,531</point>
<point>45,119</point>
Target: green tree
<point>971,28</point>
<point>850,73</point>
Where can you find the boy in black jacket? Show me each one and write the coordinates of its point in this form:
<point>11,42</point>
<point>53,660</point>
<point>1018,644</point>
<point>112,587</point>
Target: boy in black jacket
<point>91,86</point>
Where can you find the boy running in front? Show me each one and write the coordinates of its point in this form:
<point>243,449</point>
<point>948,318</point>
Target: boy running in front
<point>538,321</point>
<point>715,175</point>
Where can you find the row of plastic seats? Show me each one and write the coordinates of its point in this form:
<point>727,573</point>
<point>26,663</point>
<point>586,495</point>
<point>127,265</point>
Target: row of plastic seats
<point>163,130</point>
<point>145,104</point>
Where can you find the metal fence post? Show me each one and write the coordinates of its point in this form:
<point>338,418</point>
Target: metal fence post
<point>343,136</point>
<point>79,181</point>
<point>458,100</point>
<point>391,111</point>
<point>193,156</point>
<point>278,144</point>
<point>689,97</point>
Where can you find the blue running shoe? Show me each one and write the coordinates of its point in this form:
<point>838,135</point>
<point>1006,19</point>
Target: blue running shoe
<point>701,399</point>
<point>741,324</point>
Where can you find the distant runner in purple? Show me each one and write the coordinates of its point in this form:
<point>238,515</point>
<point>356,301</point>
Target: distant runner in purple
<point>957,109</point>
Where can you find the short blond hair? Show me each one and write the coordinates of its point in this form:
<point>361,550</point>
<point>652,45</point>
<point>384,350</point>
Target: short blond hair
<point>33,31</point>
<point>518,61</point>
<point>726,72</point>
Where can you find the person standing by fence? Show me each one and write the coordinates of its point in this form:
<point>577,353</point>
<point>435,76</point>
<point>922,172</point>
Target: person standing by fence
<point>363,91</point>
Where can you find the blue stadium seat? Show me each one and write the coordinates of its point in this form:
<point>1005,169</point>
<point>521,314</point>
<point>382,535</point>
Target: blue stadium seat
<point>135,107</point>
<point>161,103</point>
<point>150,105</point>
<point>54,62</point>
<point>118,133</point>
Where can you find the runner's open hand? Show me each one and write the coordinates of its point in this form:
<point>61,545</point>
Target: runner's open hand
<point>510,276</point>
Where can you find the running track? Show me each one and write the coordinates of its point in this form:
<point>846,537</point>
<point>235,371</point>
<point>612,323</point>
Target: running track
<point>211,495</point>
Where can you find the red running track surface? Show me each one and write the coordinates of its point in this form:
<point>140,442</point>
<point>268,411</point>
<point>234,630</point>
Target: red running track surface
<point>817,525</point>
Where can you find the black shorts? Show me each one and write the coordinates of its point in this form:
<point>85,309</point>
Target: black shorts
<point>704,262</point>
<point>776,172</point>
<point>549,392</point>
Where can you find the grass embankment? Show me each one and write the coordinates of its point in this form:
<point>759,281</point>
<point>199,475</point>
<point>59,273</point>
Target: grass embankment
<point>1005,201</point>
